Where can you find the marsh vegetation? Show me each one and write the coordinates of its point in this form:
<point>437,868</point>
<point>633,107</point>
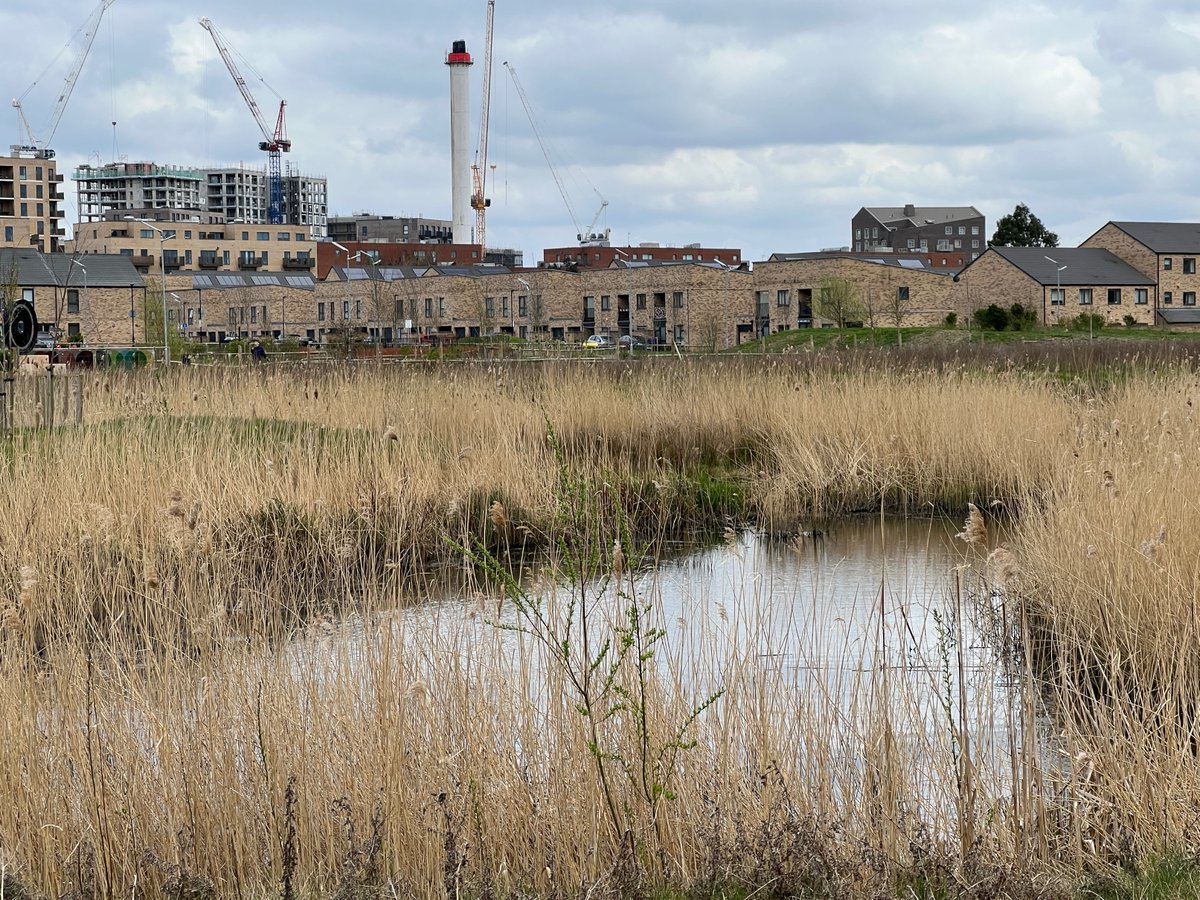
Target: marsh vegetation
<point>184,714</point>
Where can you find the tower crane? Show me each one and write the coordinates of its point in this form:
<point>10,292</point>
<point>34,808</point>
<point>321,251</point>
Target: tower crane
<point>479,202</point>
<point>274,142</point>
<point>40,148</point>
<point>583,235</point>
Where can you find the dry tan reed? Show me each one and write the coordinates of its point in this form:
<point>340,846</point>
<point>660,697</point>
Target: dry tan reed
<point>209,680</point>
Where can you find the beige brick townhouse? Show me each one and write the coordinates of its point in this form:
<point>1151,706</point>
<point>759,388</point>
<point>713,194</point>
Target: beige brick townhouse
<point>1166,253</point>
<point>1059,283</point>
<point>788,289</point>
<point>97,299</point>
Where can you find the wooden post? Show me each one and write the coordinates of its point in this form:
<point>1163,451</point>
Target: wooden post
<point>78,399</point>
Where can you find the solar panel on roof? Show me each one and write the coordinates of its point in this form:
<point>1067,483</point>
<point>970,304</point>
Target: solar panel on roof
<point>912,264</point>
<point>299,281</point>
<point>201,281</point>
<point>264,279</point>
<point>230,280</point>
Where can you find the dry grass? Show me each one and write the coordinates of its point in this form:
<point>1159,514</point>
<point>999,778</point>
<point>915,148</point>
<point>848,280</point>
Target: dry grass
<point>211,687</point>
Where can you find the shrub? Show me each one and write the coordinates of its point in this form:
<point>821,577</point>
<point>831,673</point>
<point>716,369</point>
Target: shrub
<point>993,317</point>
<point>951,319</point>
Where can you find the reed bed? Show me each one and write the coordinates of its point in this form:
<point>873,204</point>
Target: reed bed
<point>211,686</point>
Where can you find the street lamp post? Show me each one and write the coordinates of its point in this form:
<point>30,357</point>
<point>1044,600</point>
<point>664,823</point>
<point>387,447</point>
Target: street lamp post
<point>1058,290</point>
<point>528,300</point>
<point>728,268</point>
<point>162,269</point>
<point>85,282</point>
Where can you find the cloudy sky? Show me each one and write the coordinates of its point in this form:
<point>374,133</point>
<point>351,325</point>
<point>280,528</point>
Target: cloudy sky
<point>763,125</point>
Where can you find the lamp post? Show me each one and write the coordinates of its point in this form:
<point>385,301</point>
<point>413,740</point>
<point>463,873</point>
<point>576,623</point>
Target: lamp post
<point>528,300</point>
<point>76,262</point>
<point>1058,290</point>
<point>728,268</point>
<point>162,269</point>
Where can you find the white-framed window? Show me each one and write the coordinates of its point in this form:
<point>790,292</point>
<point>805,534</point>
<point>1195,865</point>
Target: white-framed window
<point>1058,297</point>
<point>1085,296</point>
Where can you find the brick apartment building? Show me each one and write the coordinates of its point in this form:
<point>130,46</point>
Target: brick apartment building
<point>954,234</point>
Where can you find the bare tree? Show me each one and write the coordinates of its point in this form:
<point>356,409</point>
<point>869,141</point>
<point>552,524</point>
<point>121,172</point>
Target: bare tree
<point>839,301</point>
<point>898,309</point>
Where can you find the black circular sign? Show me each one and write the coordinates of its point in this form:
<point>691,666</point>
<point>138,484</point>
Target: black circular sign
<point>20,330</point>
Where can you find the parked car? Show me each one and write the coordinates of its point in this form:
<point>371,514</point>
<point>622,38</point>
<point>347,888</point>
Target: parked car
<point>631,342</point>
<point>597,342</point>
<point>45,340</point>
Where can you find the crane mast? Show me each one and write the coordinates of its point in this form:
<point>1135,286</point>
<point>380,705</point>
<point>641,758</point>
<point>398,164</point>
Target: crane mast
<point>40,148</point>
<point>273,142</point>
<point>479,202</point>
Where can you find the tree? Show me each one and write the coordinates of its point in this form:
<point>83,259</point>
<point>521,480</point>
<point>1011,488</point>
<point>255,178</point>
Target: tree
<point>897,309</point>
<point>1021,228</point>
<point>839,302</point>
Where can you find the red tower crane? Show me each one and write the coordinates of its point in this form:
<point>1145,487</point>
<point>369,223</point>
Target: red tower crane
<point>274,142</point>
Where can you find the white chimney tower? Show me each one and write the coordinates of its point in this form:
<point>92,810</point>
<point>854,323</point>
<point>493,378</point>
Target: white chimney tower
<point>459,61</point>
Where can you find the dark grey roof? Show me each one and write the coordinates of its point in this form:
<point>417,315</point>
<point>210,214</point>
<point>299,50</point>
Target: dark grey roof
<point>899,261</point>
<point>1186,316</point>
<point>1164,237</point>
<point>664,263</point>
<point>923,215</point>
<point>34,269</point>
<point>398,273</point>
<point>224,281</point>
<point>1084,266</point>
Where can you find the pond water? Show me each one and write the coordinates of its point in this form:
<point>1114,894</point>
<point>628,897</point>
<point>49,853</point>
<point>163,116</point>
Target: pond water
<point>870,619</point>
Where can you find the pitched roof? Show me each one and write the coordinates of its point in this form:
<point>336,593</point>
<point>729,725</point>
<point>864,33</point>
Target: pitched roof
<point>1082,266</point>
<point>233,280</point>
<point>910,263</point>
<point>1186,316</point>
<point>923,215</point>
<point>34,269</point>
<point>1164,237</point>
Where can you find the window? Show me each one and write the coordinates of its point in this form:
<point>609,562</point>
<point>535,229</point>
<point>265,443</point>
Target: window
<point>1058,297</point>
<point>232,315</point>
<point>299,235</point>
<point>8,233</point>
<point>72,301</point>
<point>677,299</point>
<point>346,310</point>
<point>522,305</point>
<point>958,243</point>
<point>358,309</point>
<point>912,243</point>
<point>262,235</point>
<point>254,315</point>
<point>1114,296</point>
<point>489,306</point>
<point>27,294</point>
<point>24,209</point>
<point>679,334</point>
<point>1189,265</point>
<point>1085,296</point>
<point>783,298</point>
<point>245,235</point>
<point>1189,298</point>
<point>1141,296</point>
<point>962,229</point>
<point>429,307</point>
<point>1167,261</point>
<point>23,173</point>
<point>875,231</point>
<point>504,306</point>
<point>73,330</point>
<point>949,229</point>
<point>605,302</point>
<point>858,234</point>
<point>974,229</point>
<point>641,301</point>
<point>441,306</point>
<point>187,234</point>
<point>146,233</point>
<point>1167,298</point>
<point>975,244</point>
<point>24,191</point>
<point>284,236</point>
<point>902,293</point>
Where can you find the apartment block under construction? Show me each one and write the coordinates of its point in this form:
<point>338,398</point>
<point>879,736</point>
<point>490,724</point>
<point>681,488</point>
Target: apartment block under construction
<point>31,212</point>
<point>235,192</point>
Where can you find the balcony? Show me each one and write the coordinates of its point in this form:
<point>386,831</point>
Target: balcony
<point>142,260</point>
<point>250,262</point>
<point>172,265</point>
<point>210,262</point>
<point>299,263</point>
